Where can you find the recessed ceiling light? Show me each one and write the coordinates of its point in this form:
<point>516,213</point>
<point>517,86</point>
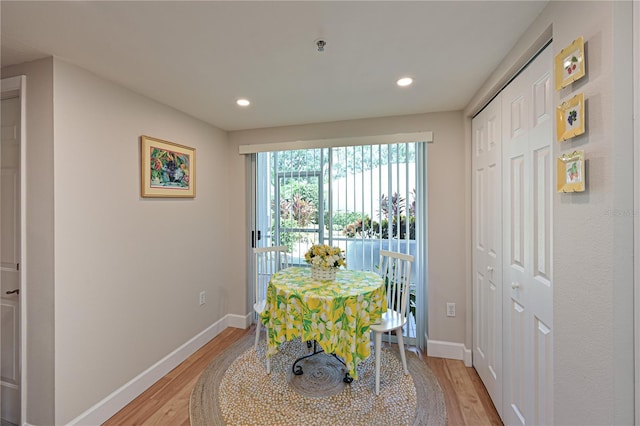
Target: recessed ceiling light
<point>405,81</point>
<point>243,102</point>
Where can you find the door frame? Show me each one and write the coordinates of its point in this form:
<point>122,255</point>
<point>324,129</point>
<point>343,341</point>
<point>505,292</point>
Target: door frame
<point>636,202</point>
<point>426,137</point>
<point>18,85</point>
<point>530,54</point>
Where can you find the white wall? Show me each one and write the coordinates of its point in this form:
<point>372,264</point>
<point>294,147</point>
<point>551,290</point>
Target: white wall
<point>446,192</point>
<point>128,270</point>
<point>593,231</point>
<point>38,289</point>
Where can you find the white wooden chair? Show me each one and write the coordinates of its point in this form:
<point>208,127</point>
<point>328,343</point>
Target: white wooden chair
<point>267,260</point>
<point>395,269</point>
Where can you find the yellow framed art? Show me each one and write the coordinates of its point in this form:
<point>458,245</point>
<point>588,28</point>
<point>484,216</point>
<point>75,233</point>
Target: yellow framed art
<point>570,63</point>
<point>167,169</point>
<point>570,118</point>
<point>570,172</point>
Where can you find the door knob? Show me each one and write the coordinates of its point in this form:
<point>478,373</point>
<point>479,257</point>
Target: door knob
<point>16,291</point>
<point>489,268</point>
<point>515,285</point>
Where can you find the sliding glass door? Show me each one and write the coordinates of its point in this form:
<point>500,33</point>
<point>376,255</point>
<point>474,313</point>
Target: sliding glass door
<point>360,198</point>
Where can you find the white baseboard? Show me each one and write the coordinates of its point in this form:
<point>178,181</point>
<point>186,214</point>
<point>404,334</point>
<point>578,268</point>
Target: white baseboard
<point>240,321</point>
<point>113,403</point>
<point>450,350</point>
<point>468,359</point>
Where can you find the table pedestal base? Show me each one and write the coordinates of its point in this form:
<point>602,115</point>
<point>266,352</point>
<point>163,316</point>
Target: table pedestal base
<point>297,370</point>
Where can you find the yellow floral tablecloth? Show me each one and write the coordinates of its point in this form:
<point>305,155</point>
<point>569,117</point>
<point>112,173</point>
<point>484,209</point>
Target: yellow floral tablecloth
<point>337,314</point>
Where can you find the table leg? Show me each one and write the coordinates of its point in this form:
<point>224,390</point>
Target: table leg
<point>297,370</point>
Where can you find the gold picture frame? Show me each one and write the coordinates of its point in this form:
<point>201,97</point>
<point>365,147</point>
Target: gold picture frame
<point>570,172</point>
<point>570,63</point>
<point>167,169</point>
<point>570,118</point>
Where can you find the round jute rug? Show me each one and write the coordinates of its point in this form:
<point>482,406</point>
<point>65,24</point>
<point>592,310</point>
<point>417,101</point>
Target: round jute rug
<point>236,390</point>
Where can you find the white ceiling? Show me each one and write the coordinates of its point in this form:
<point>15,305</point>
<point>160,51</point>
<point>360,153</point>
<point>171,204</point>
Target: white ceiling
<point>199,57</point>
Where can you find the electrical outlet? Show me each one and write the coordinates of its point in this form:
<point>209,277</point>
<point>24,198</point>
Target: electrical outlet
<point>451,309</point>
<point>202,297</point>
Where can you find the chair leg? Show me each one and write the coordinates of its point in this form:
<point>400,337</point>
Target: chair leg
<point>401,347</point>
<point>266,336</point>
<point>258,327</point>
<point>378,344</point>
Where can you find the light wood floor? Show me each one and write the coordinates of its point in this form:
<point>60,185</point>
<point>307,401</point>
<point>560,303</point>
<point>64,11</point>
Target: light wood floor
<point>167,401</point>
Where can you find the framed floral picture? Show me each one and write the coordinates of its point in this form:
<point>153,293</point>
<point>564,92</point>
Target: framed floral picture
<point>570,172</point>
<point>570,63</point>
<point>168,169</point>
<point>570,118</point>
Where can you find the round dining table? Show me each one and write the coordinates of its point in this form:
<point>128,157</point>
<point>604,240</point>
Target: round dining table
<point>336,314</point>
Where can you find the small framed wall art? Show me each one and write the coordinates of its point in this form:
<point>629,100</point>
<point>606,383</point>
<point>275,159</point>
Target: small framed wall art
<point>570,118</point>
<point>570,172</point>
<point>168,169</point>
<point>570,63</point>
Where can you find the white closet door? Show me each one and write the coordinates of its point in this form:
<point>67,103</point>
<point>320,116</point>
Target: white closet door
<point>487,251</point>
<point>528,166</point>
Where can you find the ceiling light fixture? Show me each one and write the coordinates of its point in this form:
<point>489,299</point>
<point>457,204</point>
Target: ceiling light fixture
<point>243,102</point>
<point>405,81</point>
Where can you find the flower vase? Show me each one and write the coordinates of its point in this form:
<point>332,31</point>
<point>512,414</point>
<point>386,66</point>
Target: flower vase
<point>323,274</point>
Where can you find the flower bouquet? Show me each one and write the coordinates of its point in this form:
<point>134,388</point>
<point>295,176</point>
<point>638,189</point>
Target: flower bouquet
<point>324,261</point>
